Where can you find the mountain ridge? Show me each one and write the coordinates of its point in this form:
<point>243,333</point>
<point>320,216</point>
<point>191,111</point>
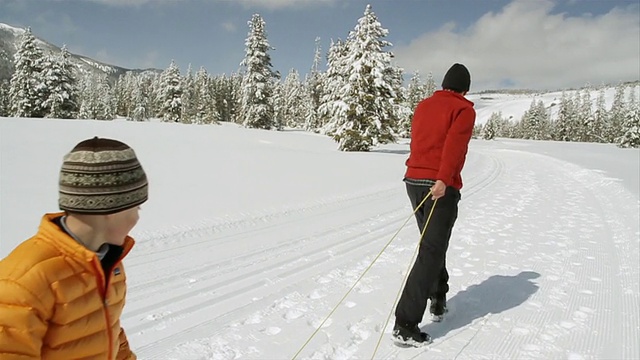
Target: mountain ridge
<point>10,42</point>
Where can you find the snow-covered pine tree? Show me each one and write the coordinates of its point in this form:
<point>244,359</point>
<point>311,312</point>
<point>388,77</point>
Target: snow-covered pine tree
<point>206,110</point>
<point>430,85</point>
<point>139,101</point>
<point>585,114</point>
<point>333,109</point>
<point>105,99</point>
<point>534,123</point>
<point>188,98</point>
<point>491,127</point>
<point>563,125</point>
<point>97,100</point>
<point>631,135</point>
<point>170,94</point>
<point>293,97</point>
<point>600,118</point>
<point>369,98</point>
<point>617,115</point>
<point>26,81</point>
<point>313,84</point>
<point>277,100</point>
<point>402,112</point>
<point>62,100</point>
<point>124,90</point>
<point>4,98</point>
<point>416,92</point>
<point>256,110</point>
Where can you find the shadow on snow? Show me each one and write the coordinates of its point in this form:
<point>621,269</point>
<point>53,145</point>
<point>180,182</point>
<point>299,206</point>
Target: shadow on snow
<point>494,295</point>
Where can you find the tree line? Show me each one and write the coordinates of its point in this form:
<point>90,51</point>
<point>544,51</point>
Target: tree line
<point>359,100</point>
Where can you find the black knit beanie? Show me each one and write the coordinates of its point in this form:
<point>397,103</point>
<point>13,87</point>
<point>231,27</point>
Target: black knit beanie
<point>101,176</point>
<point>457,79</point>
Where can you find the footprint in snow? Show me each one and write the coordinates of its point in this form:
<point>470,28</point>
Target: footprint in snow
<point>567,325</point>
<point>272,330</point>
<point>365,289</point>
<point>316,322</point>
<point>316,294</point>
<point>253,319</point>
<point>293,314</point>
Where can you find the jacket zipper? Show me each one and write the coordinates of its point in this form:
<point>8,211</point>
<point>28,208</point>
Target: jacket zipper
<point>103,294</point>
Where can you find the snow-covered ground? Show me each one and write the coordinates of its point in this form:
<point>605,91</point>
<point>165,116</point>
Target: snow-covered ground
<point>251,238</point>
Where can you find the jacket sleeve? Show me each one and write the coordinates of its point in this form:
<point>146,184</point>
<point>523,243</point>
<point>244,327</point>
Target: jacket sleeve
<point>124,352</point>
<point>23,322</point>
<point>456,145</point>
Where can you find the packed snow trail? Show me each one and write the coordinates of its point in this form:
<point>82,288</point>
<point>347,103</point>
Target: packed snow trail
<point>543,264</point>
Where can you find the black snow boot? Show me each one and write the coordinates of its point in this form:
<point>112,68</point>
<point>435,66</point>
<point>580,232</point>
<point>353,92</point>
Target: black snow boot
<point>438,308</point>
<point>410,335</point>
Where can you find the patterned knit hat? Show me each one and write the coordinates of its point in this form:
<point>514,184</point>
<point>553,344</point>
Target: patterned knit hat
<point>101,176</point>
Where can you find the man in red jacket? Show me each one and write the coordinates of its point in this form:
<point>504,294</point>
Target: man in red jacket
<point>440,133</point>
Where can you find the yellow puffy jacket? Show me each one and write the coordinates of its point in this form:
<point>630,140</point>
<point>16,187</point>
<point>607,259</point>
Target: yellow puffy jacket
<point>54,303</point>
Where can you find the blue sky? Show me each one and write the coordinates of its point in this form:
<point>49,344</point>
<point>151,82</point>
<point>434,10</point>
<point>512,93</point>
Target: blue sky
<point>522,43</point>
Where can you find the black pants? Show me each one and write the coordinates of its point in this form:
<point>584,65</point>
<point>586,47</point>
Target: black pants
<point>429,276</point>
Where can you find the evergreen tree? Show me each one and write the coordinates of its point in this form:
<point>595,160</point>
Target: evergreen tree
<point>205,104</point>
<point>313,84</point>
<point>189,98</point>
<point>293,99</point>
<point>402,112</point>
<point>333,109</point>
<point>26,81</point>
<point>170,94</point>
<point>491,128</point>
<point>277,100</point>
<point>4,98</point>
<point>563,124</point>
<point>369,98</point>
<point>585,114</point>
<point>534,123</point>
<point>430,86</point>
<point>97,100</point>
<point>617,115</point>
<point>139,101</point>
<point>62,98</point>
<point>124,90</point>
<point>257,82</point>
<point>105,99</point>
<point>631,135</point>
<point>600,118</point>
<point>416,92</point>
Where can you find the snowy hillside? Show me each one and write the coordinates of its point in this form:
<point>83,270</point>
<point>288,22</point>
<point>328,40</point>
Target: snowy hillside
<point>513,106</point>
<point>251,238</point>
<point>10,38</point>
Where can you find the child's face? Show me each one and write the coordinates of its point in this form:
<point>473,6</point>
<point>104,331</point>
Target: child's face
<point>121,223</point>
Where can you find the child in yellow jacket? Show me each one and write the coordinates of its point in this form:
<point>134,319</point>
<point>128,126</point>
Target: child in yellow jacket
<point>63,290</point>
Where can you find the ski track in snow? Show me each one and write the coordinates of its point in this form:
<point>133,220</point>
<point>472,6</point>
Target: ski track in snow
<point>528,279</point>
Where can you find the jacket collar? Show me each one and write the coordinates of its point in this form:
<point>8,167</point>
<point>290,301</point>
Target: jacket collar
<point>52,233</point>
<point>452,94</point>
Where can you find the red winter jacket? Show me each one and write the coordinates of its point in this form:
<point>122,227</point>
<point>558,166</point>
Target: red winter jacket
<point>440,133</point>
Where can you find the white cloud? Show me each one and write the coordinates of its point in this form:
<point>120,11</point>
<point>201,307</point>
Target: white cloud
<point>267,4</point>
<point>279,4</point>
<point>128,2</point>
<point>229,26</point>
<point>144,61</point>
<point>527,46</point>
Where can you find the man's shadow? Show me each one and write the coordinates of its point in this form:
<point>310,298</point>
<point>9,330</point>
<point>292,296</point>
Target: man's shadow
<point>492,296</point>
